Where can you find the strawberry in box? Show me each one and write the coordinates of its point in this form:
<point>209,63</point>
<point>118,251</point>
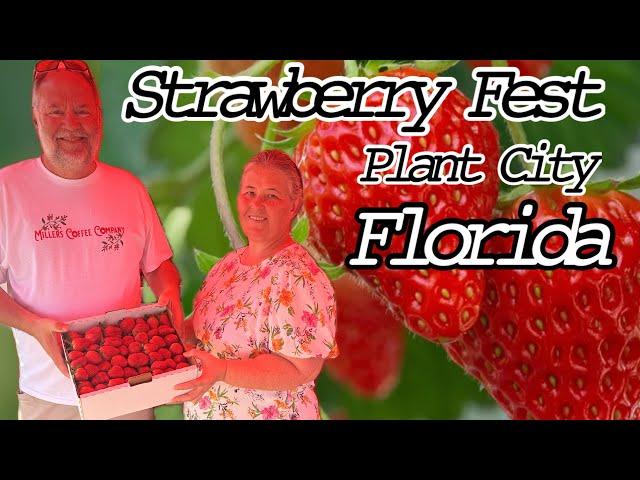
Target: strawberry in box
<point>119,368</point>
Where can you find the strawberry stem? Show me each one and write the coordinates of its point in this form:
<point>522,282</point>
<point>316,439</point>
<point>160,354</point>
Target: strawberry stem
<point>516,130</point>
<point>270,133</point>
<point>220,191</point>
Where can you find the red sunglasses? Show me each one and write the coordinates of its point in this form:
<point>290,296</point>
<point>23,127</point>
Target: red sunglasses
<point>44,66</point>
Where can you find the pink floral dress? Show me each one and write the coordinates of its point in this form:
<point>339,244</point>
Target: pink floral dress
<point>283,305</point>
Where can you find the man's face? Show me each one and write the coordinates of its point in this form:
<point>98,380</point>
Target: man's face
<point>265,206</point>
<point>67,119</point>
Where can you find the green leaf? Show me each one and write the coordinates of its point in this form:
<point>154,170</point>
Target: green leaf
<point>630,184</point>
<point>176,225</point>
<point>435,66</point>
<point>298,131</point>
<point>323,415</point>
<point>333,271</point>
<point>512,195</point>
<point>205,261</point>
<point>300,230</point>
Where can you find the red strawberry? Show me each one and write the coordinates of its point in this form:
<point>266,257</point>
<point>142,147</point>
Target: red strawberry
<point>94,357</point>
<point>157,371</point>
<point>370,339</point>
<point>156,356</point>
<point>112,331</point>
<point>128,340</point>
<point>100,377</point>
<point>170,363</point>
<point>562,343</point>
<point>138,360</point>
<point>91,369</point>
<point>100,386</point>
<point>140,328</point>
<point>150,348</point>
<point>165,353</point>
<point>84,384</point>
<point>157,341</point>
<point>81,375</point>
<point>176,348</point>
<point>181,365</point>
<point>86,389</point>
<point>530,68</point>
<point>436,304</point>
<point>124,350</point>
<point>153,322</point>
<point>109,351</point>
<point>93,347</point>
<point>73,335</point>
<point>119,360</point>
<point>130,372</point>
<point>113,341</point>
<point>159,365</point>
<point>164,330</point>
<point>171,338</point>
<point>127,324</point>
<point>179,358</point>
<point>80,344</point>
<point>116,381</point>
<point>79,362</point>
<point>116,372</point>
<point>164,319</point>
<point>142,337</point>
<point>74,354</point>
<point>152,332</point>
<point>144,369</point>
<point>104,366</point>
<point>135,347</point>
<point>94,334</point>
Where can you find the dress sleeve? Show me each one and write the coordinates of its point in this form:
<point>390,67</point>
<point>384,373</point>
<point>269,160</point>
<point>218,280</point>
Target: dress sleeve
<point>302,320</point>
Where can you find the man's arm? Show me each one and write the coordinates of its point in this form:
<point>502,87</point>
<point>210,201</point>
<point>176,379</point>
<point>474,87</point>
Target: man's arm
<point>165,283</point>
<point>45,330</point>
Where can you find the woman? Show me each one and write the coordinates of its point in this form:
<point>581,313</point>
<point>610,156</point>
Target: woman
<point>264,318</point>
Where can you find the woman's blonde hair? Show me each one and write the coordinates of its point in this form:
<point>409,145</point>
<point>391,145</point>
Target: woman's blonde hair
<point>281,161</point>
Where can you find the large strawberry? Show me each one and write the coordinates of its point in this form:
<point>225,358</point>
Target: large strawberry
<point>370,339</point>
<point>436,304</point>
<point>555,344</point>
<point>530,68</point>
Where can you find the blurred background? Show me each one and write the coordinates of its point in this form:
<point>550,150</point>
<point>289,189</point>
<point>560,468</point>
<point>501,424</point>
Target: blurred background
<point>172,160</point>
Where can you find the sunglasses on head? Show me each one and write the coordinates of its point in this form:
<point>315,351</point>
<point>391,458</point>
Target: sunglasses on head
<point>44,66</point>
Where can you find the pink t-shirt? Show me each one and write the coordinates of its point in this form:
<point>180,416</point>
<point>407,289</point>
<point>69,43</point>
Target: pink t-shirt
<point>71,249</point>
<point>284,305</point>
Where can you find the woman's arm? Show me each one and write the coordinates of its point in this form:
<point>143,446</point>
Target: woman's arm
<point>272,372</point>
<point>264,372</point>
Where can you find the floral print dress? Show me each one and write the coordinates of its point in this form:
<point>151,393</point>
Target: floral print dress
<point>283,305</point>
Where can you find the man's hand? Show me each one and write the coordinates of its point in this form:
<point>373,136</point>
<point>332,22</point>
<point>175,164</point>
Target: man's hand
<point>171,298</point>
<point>47,332</point>
<point>212,370</point>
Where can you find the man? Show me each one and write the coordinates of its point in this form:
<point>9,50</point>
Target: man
<point>75,234</point>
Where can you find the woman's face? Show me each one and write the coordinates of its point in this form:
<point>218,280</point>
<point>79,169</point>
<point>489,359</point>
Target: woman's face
<point>265,206</point>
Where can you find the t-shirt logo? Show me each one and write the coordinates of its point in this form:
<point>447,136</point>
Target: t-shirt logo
<point>111,236</point>
<point>113,241</point>
<point>53,222</point>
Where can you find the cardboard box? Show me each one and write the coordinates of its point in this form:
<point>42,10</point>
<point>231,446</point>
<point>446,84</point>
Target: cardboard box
<point>142,391</point>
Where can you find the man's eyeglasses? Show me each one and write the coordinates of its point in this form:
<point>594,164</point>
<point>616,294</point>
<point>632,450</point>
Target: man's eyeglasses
<point>44,66</point>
